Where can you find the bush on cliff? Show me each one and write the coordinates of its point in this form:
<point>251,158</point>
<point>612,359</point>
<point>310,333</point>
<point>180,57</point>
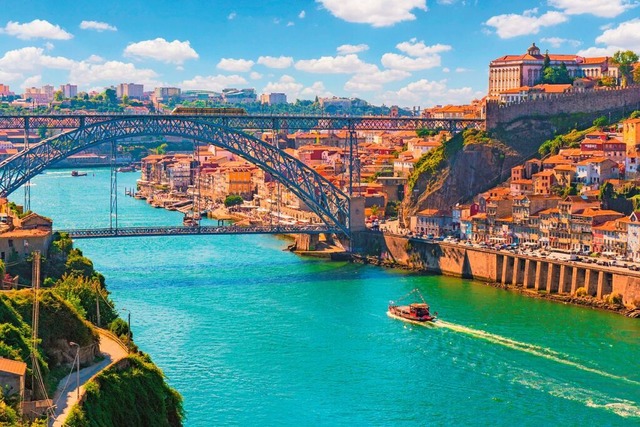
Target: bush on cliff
<point>82,292</point>
<point>132,393</point>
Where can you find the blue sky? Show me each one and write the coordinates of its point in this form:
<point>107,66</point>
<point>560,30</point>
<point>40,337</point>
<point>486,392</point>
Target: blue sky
<point>405,52</point>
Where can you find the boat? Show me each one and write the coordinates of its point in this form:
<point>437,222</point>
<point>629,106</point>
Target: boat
<point>414,312</point>
<point>76,173</point>
<point>129,168</point>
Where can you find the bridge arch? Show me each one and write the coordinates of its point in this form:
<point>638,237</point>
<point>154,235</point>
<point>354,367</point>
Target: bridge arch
<point>321,196</point>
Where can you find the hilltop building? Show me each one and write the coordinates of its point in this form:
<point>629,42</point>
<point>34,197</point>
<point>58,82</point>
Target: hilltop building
<point>69,90</point>
<point>515,71</point>
<point>132,90</point>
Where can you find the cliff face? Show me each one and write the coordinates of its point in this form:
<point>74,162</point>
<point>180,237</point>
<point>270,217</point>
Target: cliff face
<point>484,162</point>
<point>474,168</point>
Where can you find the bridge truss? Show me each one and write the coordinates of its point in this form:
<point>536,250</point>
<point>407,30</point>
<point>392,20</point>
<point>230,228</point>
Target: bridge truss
<point>323,198</point>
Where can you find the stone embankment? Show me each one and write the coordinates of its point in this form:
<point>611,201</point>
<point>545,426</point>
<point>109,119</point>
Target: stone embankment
<point>610,288</point>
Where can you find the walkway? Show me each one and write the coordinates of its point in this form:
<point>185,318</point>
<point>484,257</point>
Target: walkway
<point>65,398</point>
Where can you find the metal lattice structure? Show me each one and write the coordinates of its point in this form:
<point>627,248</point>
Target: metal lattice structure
<point>92,233</point>
<point>253,122</point>
<point>322,197</point>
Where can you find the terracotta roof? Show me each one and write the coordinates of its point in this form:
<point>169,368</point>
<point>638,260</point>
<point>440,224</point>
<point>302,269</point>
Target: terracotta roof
<point>12,366</point>
<point>20,233</point>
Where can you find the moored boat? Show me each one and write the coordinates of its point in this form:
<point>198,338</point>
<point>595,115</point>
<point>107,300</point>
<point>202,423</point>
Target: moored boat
<point>413,312</point>
<point>76,173</point>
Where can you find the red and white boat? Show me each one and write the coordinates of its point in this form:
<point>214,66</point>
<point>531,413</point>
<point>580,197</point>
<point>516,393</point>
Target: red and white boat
<point>414,312</point>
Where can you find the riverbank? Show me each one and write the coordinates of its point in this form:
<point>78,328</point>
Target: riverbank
<point>589,285</point>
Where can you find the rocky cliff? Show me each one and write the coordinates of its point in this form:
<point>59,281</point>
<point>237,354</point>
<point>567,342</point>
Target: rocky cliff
<point>467,164</point>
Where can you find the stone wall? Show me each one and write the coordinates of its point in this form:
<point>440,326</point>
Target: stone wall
<point>498,267</point>
<point>592,104</point>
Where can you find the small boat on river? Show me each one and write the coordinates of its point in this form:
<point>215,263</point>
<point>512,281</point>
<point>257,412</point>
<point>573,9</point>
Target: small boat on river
<point>414,312</point>
<point>77,173</point>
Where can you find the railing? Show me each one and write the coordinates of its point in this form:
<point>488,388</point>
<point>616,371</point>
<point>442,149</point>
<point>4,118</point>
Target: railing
<point>198,230</point>
<point>257,122</point>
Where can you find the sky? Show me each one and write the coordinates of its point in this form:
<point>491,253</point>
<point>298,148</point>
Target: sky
<point>412,53</point>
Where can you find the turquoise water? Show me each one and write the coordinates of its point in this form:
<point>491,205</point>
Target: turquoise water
<point>251,334</point>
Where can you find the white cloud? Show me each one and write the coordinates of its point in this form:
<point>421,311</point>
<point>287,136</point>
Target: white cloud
<point>343,64</point>
<point>37,28</point>
<point>276,62</point>
<point>625,36</point>
<point>32,59</point>
<point>596,51</point>
<point>111,72</point>
<point>294,89</point>
<point>49,46</point>
<point>418,49</point>
<point>287,85</point>
<point>175,52</point>
<point>427,93</point>
<point>446,70</point>
<point>33,81</point>
<point>377,13</point>
<point>316,89</point>
<point>255,76</point>
<point>6,76</point>
<point>97,26</point>
<point>290,24</point>
<point>401,62</point>
<point>232,16</point>
<point>302,14</point>
<point>235,65</point>
<point>601,8</point>
<point>215,83</point>
<point>513,25</point>
<point>462,70</point>
<point>95,59</point>
<point>346,49</point>
<point>556,42</point>
<point>374,81</point>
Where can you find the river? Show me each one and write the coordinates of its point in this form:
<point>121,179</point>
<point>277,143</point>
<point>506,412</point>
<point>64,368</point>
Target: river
<point>251,334</point>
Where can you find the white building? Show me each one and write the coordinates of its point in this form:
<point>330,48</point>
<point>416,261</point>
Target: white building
<point>69,90</point>
<point>273,98</point>
<point>132,90</point>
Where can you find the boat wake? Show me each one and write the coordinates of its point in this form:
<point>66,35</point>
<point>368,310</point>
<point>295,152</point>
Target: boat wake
<point>533,349</point>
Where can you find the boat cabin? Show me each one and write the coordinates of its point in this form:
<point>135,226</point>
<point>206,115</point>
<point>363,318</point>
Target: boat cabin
<point>419,309</point>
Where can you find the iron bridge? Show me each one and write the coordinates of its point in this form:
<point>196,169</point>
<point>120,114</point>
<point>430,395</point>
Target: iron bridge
<point>252,122</point>
<point>199,230</point>
<point>80,132</point>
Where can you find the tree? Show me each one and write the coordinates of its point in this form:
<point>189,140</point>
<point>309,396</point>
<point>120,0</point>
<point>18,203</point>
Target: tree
<point>625,60</point>
<point>160,149</point>
<point>125,99</point>
<point>601,121</point>
<point>636,75</point>
<point>608,81</point>
<point>110,96</point>
<point>42,132</point>
<point>58,96</point>
<point>233,200</point>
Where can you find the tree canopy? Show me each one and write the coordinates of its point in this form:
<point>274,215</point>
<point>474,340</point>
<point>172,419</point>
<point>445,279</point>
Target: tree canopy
<point>625,60</point>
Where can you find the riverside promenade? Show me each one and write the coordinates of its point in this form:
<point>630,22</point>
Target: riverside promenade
<point>66,394</point>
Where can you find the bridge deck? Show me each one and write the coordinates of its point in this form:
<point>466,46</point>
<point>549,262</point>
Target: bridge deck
<point>249,122</point>
<point>199,230</point>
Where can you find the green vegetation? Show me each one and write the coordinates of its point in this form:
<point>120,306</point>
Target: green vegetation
<point>625,61</point>
<point>433,160</point>
<point>72,288</point>
<point>423,133</point>
<point>132,393</point>
<point>233,200</point>
<point>555,75</point>
<point>568,140</point>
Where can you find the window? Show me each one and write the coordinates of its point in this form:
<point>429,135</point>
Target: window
<point>10,243</point>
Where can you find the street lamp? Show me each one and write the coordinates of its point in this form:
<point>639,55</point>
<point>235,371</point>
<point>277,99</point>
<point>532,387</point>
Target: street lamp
<point>77,346</point>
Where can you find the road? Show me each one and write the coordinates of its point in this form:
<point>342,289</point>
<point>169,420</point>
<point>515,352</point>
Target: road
<point>65,397</point>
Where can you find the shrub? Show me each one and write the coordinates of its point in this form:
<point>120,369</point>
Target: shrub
<point>614,298</point>
<point>581,291</point>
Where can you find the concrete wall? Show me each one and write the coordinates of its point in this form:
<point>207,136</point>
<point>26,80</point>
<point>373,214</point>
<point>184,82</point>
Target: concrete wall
<point>596,102</point>
<point>542,275</point>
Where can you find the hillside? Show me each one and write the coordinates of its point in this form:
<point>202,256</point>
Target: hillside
<point>476,161</point>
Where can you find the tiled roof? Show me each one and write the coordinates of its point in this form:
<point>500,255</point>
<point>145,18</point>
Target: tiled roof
<point>12,366</point>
